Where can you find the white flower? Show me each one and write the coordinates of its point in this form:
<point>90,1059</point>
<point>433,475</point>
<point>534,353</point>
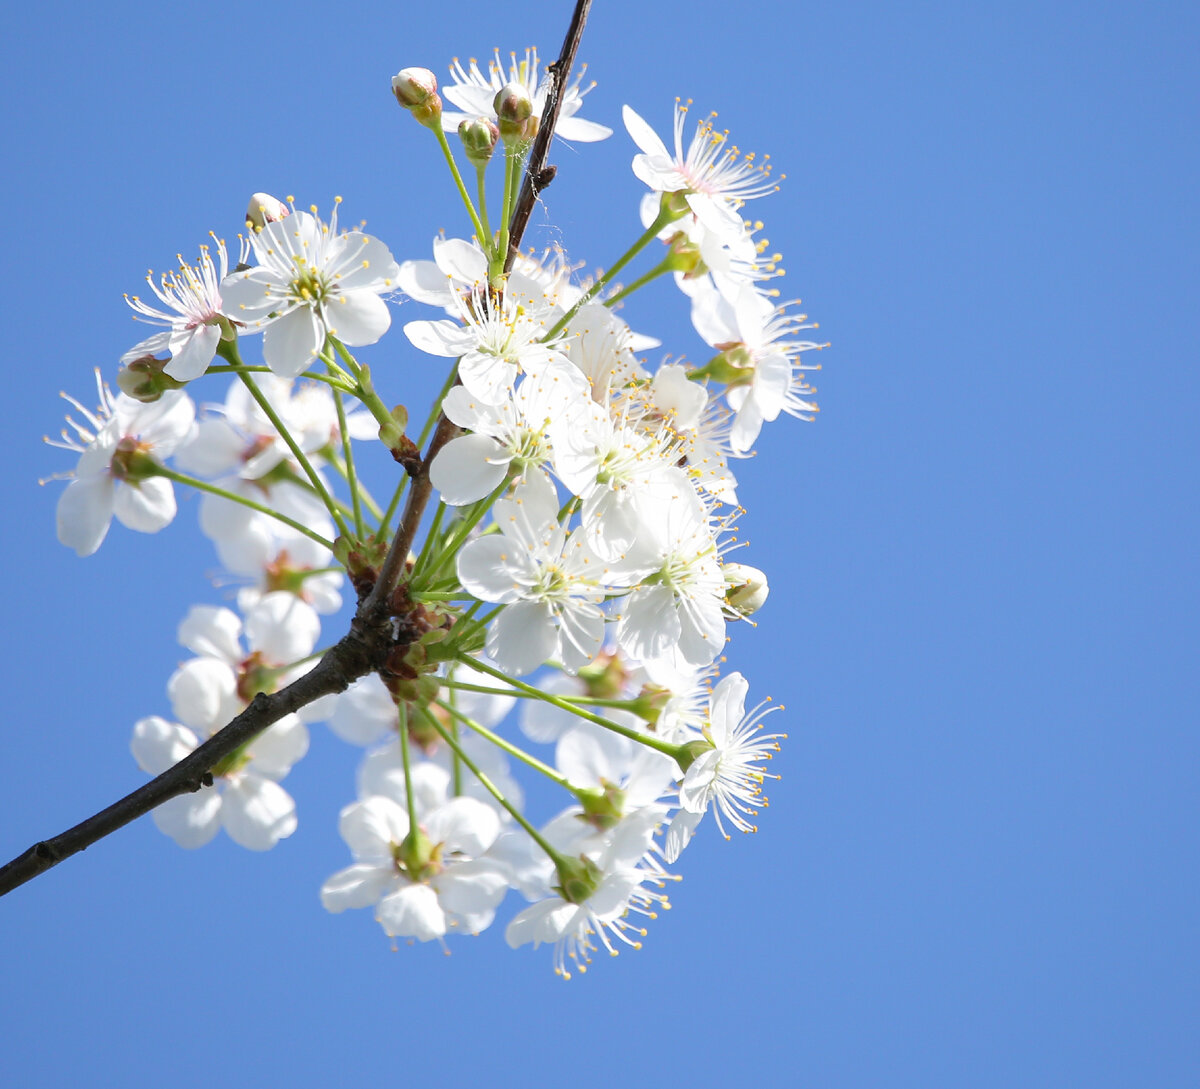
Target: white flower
<point>245,800</point>
<point>550,581</point>
<point>474,92</point>
<point>423,895</point>
<point>621,869</point>
<point>715,179</point>
<point>194,294</point>
<point>513,433</point>
<point>727,777</point>
<point>120,446</point>
<point>499,338</point>
<point>755,337</point>
<point>311,282</point>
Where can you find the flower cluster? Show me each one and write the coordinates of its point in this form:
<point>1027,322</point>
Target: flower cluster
<point>586,507</point>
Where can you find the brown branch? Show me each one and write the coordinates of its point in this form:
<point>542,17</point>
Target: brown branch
<point>537,174</point>
<point>365,647</point>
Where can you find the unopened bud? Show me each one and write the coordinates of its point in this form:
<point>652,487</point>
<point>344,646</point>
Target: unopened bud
<point>479,140</point>
<point>745,587</point>
<point>514,109</point>
<point>263,209</point>
<point>416,90</point>
<point>145,380</point>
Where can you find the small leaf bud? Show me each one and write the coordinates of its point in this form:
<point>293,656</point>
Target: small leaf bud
<point>479,140</point>
<point>416,90</point>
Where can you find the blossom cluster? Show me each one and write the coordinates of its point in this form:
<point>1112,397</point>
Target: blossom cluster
<point>587,503</point>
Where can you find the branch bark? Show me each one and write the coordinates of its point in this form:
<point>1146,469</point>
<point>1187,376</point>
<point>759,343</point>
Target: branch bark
<point>365,647</point>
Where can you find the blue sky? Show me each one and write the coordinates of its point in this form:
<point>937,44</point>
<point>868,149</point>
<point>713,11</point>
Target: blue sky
<point>980,867</point>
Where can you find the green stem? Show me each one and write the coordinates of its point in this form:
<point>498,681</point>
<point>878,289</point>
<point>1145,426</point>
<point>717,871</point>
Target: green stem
<point>230,352</point>
<point>480,171</point>
<point>640,282</point>
<point>351,477</point>
<point>408,790</point>
<point>329,380</point>
<point>514,751</point>
<point>665,747</point>
<point>233,497</point>
<point>663,218</point>
<point>517,815</point>
<point>484,239</point>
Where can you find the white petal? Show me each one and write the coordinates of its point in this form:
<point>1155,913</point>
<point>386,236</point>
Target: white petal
<point>358,317</point>
<point>191,820</point>
<point>84,512</point>
<point>522,637</point>
<point>472,888</point>
<point>283,627</point>
<point>291,342</point>
<point>643,135</point>
<point>212,631</point>
<point>191,360</point>
<point>679,834</point>
<point>257,813</point>
<point>463,825</point>
<point>444,338</point>
<point>203,694</point>
<point>275,750</point>
<point>466,469</point>
<point>371,826</point>
<point>356,886</point>
<point>485,569</point>
<point>158,744</point>
<point>146,507</point>
<point>412,912</point>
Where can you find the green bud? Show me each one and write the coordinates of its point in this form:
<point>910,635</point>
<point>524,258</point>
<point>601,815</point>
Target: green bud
<point>688,754</point>
<point>416,90</point>
<point>514,110</point>
<point>418,856</point>
<point>145,380</point>
<point>602,808</point>
<point>578,878</point>
<point>478,139</point>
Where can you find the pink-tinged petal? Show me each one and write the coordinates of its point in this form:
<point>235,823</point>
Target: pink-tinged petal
<point>679,834</point>
<point>444,338</point>
<point>278,748</point>
<point>146,507</point>
<point>257,813</point>
<point>371,826</point>
<point>193,353</point>
<point>84,512</point>
<point>158,744</point>
<point>291,343</point>
<point>463,826</point>
<point>412,912</point>
<point>485,569</point>
<point>357,317</point>
<point>357,886</point>
<point>191,820</point>
<point>643,135</point>
<point>467,469</point>
<point>522,637</point>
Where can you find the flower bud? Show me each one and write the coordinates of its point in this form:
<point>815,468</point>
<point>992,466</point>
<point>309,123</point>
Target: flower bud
<point>745,587</point>
<point>479,140</point>
<point>416,90</point>
<point>145,380</point>
<point>514,109</point>
<point>263,209</point>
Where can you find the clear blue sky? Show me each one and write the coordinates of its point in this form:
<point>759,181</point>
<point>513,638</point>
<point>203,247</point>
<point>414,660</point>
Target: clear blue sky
<point>980,869</point>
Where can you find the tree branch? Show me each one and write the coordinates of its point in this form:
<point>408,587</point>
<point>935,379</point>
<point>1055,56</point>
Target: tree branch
<point>365,647</point>
<point>537,174</point>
